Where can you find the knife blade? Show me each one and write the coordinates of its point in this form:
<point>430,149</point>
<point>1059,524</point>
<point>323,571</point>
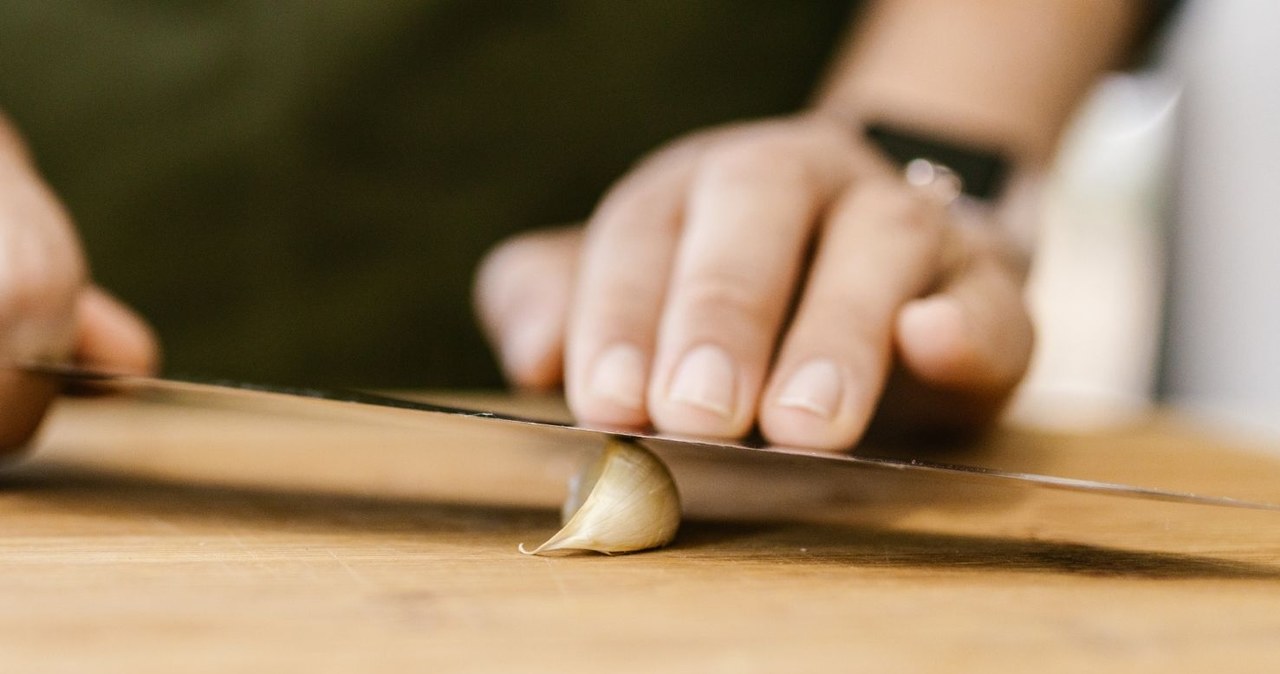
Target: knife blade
<point>429,415</point>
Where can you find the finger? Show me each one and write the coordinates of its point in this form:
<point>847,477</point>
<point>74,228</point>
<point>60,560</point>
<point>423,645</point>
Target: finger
<point>41,273</point>
<point>522,293</point>
<point>625,264</point>
<point>24,398</point>
<point>882,247</point>
<point>749,220</point>
<point>973,338</point>
<point>112,336</point>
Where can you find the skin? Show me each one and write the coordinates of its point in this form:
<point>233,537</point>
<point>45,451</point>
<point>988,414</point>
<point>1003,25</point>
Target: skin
<point>774,273</point>
<point>49,309</point>
<point>780,274</point>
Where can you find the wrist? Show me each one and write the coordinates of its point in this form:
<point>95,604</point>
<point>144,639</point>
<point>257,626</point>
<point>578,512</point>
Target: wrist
<point>1017,142</point>
<point>1003,74</point>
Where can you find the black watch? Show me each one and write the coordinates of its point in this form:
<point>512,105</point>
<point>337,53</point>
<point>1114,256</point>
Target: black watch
<point>982,171</point>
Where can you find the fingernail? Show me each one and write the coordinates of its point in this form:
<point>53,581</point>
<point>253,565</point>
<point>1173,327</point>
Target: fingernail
<point>815,388</point>
<point>619,376</point>
<point>705,379</point>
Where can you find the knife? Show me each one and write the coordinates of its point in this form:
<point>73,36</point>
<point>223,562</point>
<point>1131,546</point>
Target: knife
<point>499,426</point>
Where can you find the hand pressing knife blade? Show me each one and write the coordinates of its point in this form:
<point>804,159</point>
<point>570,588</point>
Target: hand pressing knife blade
<point>429,417</point>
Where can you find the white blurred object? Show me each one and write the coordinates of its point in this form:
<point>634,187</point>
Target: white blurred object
<point>1097,283</point>
<point>1224,332</point>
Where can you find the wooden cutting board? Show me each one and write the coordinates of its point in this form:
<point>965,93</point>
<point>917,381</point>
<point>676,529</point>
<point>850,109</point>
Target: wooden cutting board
<point>145,537</point>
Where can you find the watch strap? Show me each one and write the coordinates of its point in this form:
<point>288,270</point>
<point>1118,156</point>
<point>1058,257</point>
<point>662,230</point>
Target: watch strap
<point>982,172</point>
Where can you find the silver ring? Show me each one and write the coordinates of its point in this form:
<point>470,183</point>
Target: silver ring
<point>935,178</point>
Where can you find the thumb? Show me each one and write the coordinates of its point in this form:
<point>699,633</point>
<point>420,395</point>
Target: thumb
<point>522,293</point>
<point>111,336</point>
<point>108,335</point>
<point>41,273</point>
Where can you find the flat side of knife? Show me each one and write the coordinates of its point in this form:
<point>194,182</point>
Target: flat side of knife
<point>425,412</point>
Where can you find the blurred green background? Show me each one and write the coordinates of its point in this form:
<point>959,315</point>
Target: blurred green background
<point>297,191</point>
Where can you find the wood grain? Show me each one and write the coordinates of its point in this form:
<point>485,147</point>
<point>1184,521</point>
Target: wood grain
<point>142,536</point>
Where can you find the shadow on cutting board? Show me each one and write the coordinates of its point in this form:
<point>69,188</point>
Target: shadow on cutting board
<point>78,501</point>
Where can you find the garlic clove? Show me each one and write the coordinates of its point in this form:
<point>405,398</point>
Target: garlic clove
<point>624,501</point>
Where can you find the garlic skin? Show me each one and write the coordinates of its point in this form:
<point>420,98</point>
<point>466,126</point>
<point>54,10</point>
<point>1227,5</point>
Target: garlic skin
<point>624,501</point>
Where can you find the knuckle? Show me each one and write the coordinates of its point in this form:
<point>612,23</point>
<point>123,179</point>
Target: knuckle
<point>632,206</point>
<point>858,324</point>
<point>726,301</point>
<point>756,161</point>
<point>621,302</point>
<point>889,203</point>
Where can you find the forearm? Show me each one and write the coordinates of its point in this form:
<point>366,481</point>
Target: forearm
<point>1004,74</point>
